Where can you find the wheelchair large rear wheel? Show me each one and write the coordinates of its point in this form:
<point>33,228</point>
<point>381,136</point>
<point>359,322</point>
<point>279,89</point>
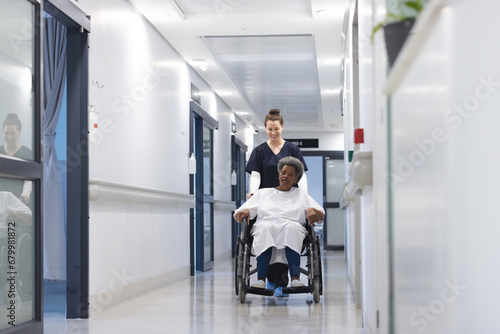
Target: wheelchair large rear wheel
<point>243,278</point>
<point>320,270</point>
<point>316,291</point>
<point>237,273</point>
<point>241,291</point>
<point>26,266</point>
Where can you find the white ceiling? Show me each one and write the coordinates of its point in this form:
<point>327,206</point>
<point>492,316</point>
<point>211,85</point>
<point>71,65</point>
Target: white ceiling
<point>259,55</point>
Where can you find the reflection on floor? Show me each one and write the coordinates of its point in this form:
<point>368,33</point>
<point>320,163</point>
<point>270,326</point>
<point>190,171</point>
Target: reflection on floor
<point>54,298</point>
<point>207,303</point>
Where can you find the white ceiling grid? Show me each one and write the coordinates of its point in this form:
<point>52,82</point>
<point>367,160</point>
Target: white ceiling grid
<point>260,55</point>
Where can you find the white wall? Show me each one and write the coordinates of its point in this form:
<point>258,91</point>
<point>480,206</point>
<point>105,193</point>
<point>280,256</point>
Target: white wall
<point>445,115</point>
<point>328,141</point>
<point>140,88</point>
<point>436,200</point>
<point>374,216</point>
<point>367,215</point>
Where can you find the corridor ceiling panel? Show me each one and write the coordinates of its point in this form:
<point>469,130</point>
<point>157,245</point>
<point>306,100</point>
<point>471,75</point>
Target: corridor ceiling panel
<point>258,55</point>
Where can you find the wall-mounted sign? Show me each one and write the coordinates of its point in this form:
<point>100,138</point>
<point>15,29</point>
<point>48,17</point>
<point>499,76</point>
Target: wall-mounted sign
<point>305,143</point>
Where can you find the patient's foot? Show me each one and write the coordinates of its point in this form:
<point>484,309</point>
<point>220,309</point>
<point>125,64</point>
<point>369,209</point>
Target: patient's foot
<point>296,283</point>
<point>259,284</point>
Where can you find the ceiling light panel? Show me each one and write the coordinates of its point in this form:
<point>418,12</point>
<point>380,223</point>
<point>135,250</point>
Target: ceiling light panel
<point>244,6</point>
<point>273,72</point>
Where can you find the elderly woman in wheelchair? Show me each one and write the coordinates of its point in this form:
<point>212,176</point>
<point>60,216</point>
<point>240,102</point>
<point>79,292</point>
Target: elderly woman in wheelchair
<point>281,216</point>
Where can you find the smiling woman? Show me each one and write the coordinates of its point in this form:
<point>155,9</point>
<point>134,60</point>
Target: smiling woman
<point>264,159</point>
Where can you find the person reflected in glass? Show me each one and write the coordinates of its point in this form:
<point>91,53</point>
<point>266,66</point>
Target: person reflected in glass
<point>280,214</point>
<point>13,148</point>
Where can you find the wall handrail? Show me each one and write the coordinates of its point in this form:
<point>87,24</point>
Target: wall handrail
<point>360,176</point>
<point>224,205</point>
<point>105,191</point>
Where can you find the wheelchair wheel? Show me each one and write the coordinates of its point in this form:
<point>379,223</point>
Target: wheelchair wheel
<point>316,291</point>
<point>237,273</point>
<point>319,268</point>
<point>241,291</point>
<point>26,266</point>
<point>243,279</point>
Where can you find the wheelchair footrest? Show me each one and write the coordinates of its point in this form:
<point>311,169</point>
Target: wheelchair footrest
<point>259,291</point>
<point>302,289</point>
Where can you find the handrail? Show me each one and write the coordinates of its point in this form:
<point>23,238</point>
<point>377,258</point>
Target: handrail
<point>360,175</point>
<point>224,205</point>
<point>105,191</point>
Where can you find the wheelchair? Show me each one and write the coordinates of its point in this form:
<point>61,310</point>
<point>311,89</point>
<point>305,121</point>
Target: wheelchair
<point>243,267</point>
<point>16,255</point>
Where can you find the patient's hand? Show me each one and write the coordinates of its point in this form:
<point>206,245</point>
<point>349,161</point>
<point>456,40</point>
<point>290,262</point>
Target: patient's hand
<point>240,215</point>
<point>314,216</point>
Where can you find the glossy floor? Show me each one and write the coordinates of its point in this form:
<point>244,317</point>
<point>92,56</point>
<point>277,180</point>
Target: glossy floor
<point>207,303</point>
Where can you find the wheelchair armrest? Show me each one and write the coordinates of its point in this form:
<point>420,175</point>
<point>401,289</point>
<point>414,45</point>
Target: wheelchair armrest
<point>246,227</point>
<point>309,227</point>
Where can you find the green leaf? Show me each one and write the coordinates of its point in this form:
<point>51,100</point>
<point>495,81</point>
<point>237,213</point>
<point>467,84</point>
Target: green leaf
<point>375,29</point>
<point>416,5</point>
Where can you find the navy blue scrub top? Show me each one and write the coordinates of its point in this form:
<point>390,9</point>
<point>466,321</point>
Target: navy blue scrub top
<point>264,161</point>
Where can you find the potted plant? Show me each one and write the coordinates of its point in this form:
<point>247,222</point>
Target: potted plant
<point>397,25</point>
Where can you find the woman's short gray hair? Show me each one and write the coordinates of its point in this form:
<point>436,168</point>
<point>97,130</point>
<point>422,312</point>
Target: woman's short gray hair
<point>294,162</point>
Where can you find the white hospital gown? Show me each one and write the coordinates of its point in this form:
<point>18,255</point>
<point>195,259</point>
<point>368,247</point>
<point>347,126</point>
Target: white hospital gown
<point>10,204</point>
<point>281,216</point>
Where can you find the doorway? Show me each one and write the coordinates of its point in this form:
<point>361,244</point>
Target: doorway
<point>66,159</point>
<point>202,126</point>
<point>329,166</point>
<point>239,150</point>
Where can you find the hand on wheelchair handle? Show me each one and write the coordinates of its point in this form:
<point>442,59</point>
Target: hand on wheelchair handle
<point>242,215</point>
<point>314,216</point>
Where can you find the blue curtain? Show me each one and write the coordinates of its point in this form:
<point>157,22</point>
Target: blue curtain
<point>54,234</point>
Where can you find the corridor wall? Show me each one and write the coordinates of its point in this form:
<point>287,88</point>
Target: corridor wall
<point>429,232</point>
<point>140,89</point>
<point>444,175</point>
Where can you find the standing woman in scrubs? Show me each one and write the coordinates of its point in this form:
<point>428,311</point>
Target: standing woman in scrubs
<point>263,161</point>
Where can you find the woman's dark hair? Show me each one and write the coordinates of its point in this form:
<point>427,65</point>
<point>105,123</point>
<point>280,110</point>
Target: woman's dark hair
<point>294,162</point>
<point>274,115</point>
<point>12,120</point>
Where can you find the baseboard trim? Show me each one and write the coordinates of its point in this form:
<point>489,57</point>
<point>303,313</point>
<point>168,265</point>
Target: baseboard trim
<point>107,299</point>
<point>223,257</point>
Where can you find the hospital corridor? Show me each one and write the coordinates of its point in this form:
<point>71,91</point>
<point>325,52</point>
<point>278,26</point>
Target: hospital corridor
<point>249,166</point>
<point>206,303</point>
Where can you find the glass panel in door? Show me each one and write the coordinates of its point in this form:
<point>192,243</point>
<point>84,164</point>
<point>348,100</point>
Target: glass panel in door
<point>19,200</point>
<point>208,208</point>
<point>334,180</point>
<point>17,255</point>
<point>207,232</point>
<point>17,78</point>
<point>207,161</point>
<point>334,187</point>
